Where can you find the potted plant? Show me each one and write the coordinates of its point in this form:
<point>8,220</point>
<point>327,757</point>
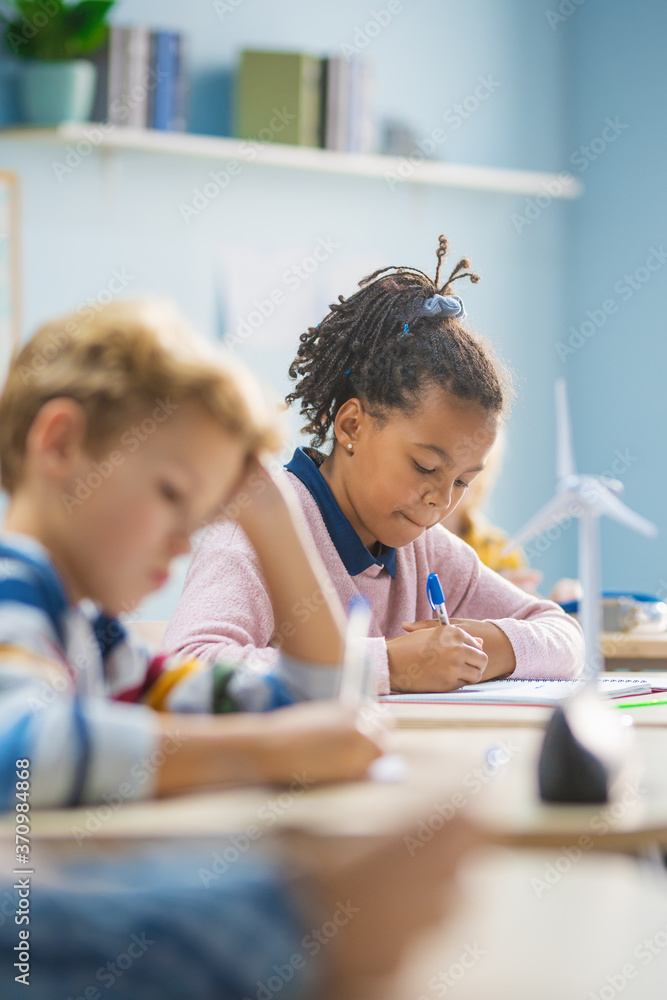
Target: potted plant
<point>57,82</point>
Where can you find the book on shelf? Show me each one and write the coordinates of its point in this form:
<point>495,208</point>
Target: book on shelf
<point>279,97</point>
<point>144,80</point>
<point>167,104</point>
<point>136,76</point>
<point>360,132</point>
<point>349,123</point>
<point>335,103</point>
<point>115,76</point>
<point>100,61</point>
<point>324,102</point>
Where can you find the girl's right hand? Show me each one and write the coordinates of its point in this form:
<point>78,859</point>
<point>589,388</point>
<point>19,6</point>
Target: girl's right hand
<point>434,657</point>
<point>315,742</point>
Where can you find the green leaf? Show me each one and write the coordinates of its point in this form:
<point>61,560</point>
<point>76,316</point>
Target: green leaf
<point>72,30</point>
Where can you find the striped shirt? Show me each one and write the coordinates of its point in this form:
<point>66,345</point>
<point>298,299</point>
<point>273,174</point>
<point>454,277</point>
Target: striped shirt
<point>77,694</point>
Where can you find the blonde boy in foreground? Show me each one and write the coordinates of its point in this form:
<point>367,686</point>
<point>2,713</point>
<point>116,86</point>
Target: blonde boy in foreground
<point>120,435</point>
<point>129,439</point>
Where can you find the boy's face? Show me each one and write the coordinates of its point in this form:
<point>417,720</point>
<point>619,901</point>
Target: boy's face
<point>130,510</point>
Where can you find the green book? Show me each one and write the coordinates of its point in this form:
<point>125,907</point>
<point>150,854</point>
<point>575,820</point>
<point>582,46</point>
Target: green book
<point>279,98</point>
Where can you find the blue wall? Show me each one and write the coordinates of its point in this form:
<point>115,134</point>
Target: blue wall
<point>552,89</point>
<point>616,61</point>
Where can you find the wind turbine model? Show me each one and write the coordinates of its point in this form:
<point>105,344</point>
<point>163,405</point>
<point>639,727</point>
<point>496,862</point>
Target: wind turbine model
<point>585,497</point>
<point>585,746</point>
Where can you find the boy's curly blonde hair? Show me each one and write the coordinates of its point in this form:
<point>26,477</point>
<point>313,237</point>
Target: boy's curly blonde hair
<point>118,362</point>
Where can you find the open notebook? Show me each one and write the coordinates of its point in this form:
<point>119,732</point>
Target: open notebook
<point>525,692</point>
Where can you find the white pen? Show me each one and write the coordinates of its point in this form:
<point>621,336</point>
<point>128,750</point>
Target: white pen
<point>390,767</point>
<point>353,685</point>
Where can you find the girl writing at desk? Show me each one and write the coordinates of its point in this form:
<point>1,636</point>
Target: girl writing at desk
<point>403,405</point>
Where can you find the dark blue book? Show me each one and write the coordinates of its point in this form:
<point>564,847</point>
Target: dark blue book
<point>164,113</point>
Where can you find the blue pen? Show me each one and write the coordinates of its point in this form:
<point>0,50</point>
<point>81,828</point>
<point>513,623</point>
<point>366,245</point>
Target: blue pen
<point>436,598</point>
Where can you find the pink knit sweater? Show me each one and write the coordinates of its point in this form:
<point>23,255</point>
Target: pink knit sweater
<point>225,612</point>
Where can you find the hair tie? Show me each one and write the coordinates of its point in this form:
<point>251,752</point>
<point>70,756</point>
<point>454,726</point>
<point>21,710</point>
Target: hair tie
<point>443,305</point>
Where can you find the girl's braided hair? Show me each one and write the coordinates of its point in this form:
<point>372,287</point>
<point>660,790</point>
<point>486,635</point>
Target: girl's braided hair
<point>376,346</point>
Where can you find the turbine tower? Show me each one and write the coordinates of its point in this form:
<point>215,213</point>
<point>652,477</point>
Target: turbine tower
<point>588,498</point>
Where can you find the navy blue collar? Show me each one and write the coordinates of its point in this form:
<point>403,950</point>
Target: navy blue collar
<point>354,554</point>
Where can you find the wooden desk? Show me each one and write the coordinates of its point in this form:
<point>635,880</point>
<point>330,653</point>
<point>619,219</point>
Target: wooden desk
<point>635,821</point>
<point>510,808</point>
<point>518,937</point>
<point>449,770</point>
<point>435,765</point>
<point>635,650</point>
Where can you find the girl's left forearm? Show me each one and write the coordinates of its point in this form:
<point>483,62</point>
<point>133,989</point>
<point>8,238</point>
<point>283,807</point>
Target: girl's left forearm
<point>497,647</point>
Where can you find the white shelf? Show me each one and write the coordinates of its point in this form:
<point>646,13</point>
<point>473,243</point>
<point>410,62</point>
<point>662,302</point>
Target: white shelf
<point>431,172</point>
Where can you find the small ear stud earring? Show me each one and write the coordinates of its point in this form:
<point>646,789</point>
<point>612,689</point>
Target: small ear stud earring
<point>350,447</point>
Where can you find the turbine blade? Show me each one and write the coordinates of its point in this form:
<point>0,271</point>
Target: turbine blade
<point>564,452</point>
<point>616,509</point>
<point>552,512</point>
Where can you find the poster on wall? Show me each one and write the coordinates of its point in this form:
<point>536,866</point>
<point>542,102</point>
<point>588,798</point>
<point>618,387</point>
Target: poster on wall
<point>9,277</point>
